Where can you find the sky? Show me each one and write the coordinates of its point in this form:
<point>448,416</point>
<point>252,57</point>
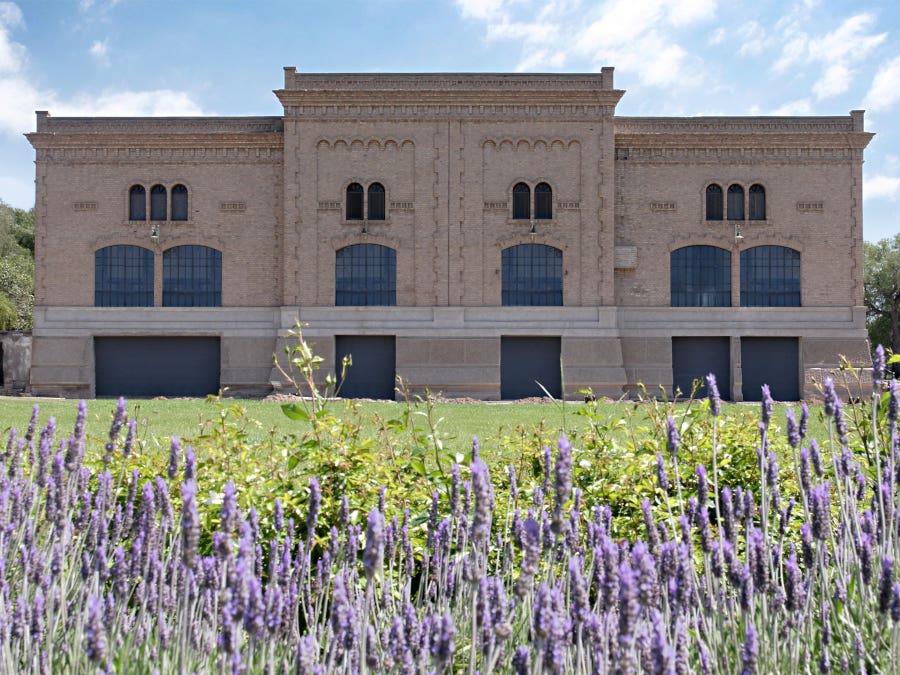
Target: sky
<point>673,57</point>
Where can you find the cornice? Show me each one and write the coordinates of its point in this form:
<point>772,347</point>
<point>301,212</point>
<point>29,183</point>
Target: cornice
<point>195,154</point>
<point>158,125</point>
<point>155,140</point>
<point>714,152</point>
<point>746,139</point>
<point>452,108</point>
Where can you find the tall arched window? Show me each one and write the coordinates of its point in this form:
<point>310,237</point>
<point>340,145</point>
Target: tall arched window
<point>543,201</point>
<point>521,202</point>
<point>355,195</point>
<point>179,203</point>
<point>736,202</point>
<point>365,275</point>
<point>137,203</point>
<point>757,202</point>
<point>192,277</point>
<point>157,202</point>
<point>701,277</point>
<point>376,201</point>
<point>123,277</point>
<point>714,209</point>
<point>770,277</point>
<point>532,275</point>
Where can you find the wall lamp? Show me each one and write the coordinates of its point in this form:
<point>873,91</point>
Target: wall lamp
<point>365,228</point>
<point>737,232</point>
<point>154,233</point>
<point>533,230</point>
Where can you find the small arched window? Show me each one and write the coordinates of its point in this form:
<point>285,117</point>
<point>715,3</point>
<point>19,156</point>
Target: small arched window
<point>355,195</point>
<point>123,277</point>
<point>770,277</point>
<point>543,201</point>
<point>757,202</point>
<point>376,201</point>
<point>532,275</point>
<point>157,202</point>
<point>714,209</point>
<point>137,203</point>
<point>736,202</point>
<point>179,203</point>
<point>700,277</point>
<point>521,202</point>
<point>365,275</point>
<point>192,277</point>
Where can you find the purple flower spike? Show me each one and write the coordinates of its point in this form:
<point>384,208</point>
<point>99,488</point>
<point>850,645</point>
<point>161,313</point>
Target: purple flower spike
<point>174,457</point>
<point>793,432</point>
<point>767,405</point>
<point>373,555</point>
<point>820,505</point>
<point>190,524</point>
<point>749,650</point>
<point>885,584</point>
<point>830,396</point>
<point>521,661</point>
<point>442,641</point>
<point>484,502</point>
<point>315,502</point>
<point>712,390</point>
<point>878,364</point>
<point>673,438</point>
<point>661,476</point>
<point>94,632</point>
<point>229,508</point>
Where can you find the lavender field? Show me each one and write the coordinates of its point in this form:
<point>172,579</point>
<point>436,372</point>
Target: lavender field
<point>104,569</point>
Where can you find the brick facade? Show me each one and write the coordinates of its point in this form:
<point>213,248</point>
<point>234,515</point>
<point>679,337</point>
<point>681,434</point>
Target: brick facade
<point>269,193</point>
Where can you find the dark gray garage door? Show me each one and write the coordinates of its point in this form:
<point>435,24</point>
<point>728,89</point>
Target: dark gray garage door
<point>693,358</point>
<point>525,361</point>
<point>157,366</point>
<point>373,371</point>
<point>772,361</point>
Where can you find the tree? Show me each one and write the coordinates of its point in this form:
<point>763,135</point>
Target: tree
<point>16,267</point>
<point>882,278</point>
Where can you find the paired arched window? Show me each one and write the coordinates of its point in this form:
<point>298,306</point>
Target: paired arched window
<point>357,198</point>
<point>757,202</point>
<point>714,202</point>
<point>770,277</point>
<point>192,277</point>
<point>701,277</point>
<point>365,275</point>
<point>137,203</point>
<point>532,275</point>
<point>123,277</point>
<point>543,201</point>
<point>735,202</point>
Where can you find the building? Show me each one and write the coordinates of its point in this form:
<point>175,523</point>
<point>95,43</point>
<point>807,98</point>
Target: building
<point>469,232</point>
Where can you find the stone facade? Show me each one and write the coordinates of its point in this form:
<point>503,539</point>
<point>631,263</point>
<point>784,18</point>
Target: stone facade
<point>269,194</point>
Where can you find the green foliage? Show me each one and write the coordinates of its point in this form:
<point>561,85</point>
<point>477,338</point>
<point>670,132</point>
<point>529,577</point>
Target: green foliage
<point>16,267</point>
<point>882,279</point>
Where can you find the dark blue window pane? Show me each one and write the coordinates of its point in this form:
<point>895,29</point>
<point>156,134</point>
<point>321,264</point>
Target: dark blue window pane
<point>137,203</point>
<point>179,203</point>
<point>757,202</point>
<point>714,209</point>
<point>532,275</point>
<point>521,202</point>
<point>192,277</point>
<point>701,277</point>
<point>376,201</point>
<point>543,201</point>
<point>365,274</point>
<point>157,203</point>
<point>735,202</point>
<point>770,277</point>
<point>355,201</point>
<point>123,277</point>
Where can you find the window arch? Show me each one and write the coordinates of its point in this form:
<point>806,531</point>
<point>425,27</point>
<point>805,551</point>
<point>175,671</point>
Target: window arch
<point>543,201</point>
<point>137,203</point>
<point>123,277</point>
<point>179,203</point>
<point>192,277</point>
<point>701,277</point>
<point>714,209</point>
<point>376,201</point>
<point>521,202</point>
<point>757,202</point>
<point>355,195</point>
<point>532,275</point>
<point>158,202</point>
<point>770,277</point>
<point>365,275</point>
<point>736,202</point>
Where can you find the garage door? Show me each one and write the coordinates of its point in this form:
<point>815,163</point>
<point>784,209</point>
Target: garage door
<point>527,361</point>
<point>693,358</point>
<point>772,361</point>
<point>373,372</point>
<point>157,366</point>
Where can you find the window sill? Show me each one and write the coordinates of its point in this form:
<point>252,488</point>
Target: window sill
<point>527,222</point>
<point>151,223</point>
<point>367,223</point>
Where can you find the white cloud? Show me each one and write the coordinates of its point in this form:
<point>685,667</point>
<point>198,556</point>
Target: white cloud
<point>480,9</point>
<point>99,49</point>
<point>157,103</point>
<point>885,90</point>
<point>882,187</point>
<point>791,108</point>
<point>10,14</point>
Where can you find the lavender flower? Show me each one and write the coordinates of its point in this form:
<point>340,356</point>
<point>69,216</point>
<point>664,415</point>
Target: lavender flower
<point>673,439</point>
<point>885,585</point>
<point>190,524</point>
<point>820,505</point>
<point>484,502</point>
<point>443,645</point>
<point>749,650</point>
<point>766,406</point>
<point>229,514</point>
<point>830,396</point>
<point>373,555</point>
<point>315,502</point>
<point>712,390</point>
<point>878,365</point>
<point>174,456</point>
<point>94,632</point>
<point>793,432</point>
<point>661,475</point>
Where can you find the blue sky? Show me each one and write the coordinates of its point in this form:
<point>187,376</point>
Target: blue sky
<point>673,57</point>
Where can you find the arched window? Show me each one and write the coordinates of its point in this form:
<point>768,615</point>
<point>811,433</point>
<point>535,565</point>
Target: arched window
<point>714,209</point>
<point>736,202</point>
<point>123,277</point>
<point>179,203</point>
<point>137,203</point>
<point>701,277</point>
<point>543,201</point>
<point>757,202</point>
<point>355,201</point>
<point>770,277</point>
<point>192,277</point>
<point>521,202</point>
<point>365,274</point>
<point>157,202</point>
<point>532,275</point>
<point>376,201</point>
